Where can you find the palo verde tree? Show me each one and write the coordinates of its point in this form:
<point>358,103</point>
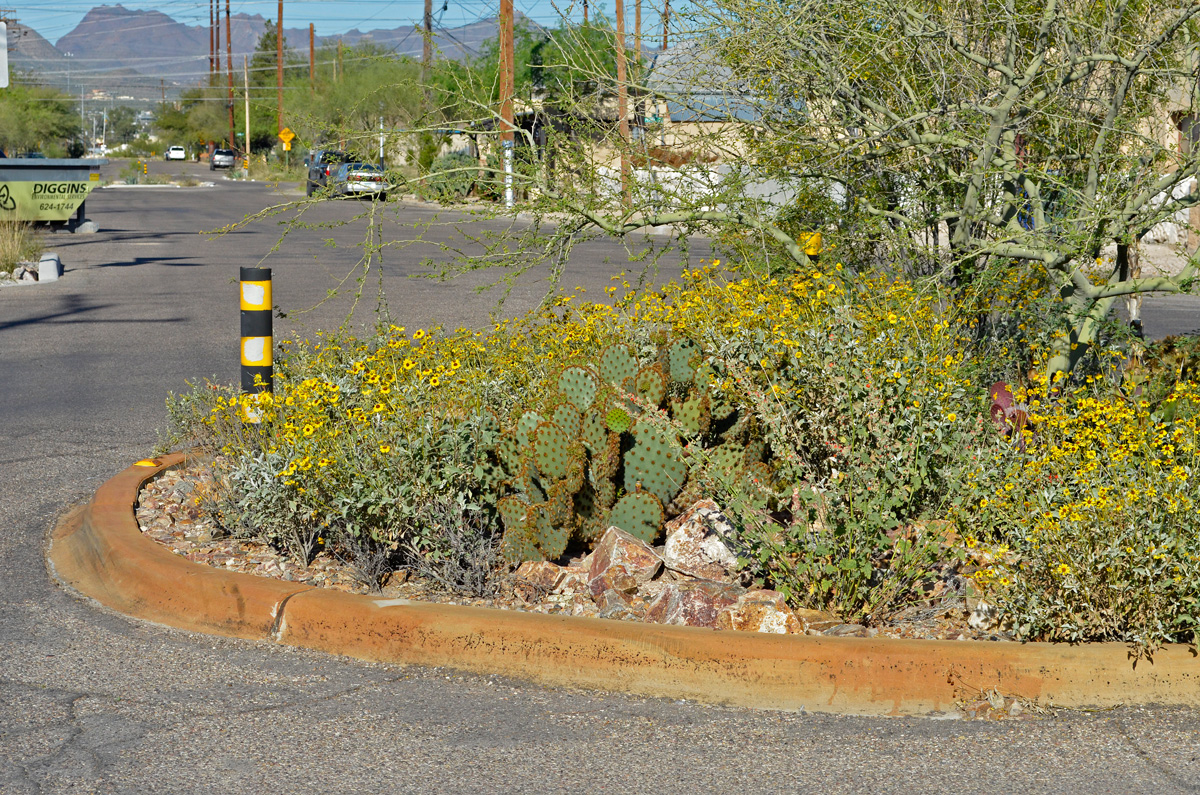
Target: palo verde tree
<point>966,137</point>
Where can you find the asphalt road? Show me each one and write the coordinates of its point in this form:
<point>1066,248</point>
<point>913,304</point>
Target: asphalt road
<point>91,701</point>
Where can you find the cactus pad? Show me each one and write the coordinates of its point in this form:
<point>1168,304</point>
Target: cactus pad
<point>693,413</point>
<point>680,360</point>
<point>551,450</point>
<point>526,425</point>
<point>654,463</point>
<point>517,544</point>
<point>594,432</point>
<point>551,540</point>
<point>640,515</point>
<point>578,385</point>
<point>618,420</point>
<point>567,417</point>
<point>508,450</point>
<point>617,363</point>
<point>650,385</point>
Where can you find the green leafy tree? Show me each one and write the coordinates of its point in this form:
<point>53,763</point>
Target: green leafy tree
<point>122,125</point>
<point>36,118</point>
<point>965,139</point>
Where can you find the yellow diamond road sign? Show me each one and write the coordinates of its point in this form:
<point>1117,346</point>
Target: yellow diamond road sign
<point>286,135</point>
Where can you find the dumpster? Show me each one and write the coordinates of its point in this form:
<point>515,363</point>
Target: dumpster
<point>51,190</point>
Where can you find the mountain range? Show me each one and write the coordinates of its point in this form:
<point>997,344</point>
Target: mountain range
<point>129,52</point>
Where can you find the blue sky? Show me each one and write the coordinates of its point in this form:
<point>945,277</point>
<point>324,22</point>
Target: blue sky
<point>55,19</point>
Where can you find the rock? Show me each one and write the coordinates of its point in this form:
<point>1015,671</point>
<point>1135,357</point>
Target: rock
<point>761,611</point>
<point>695,603</point>
<point>817,621</point>
<point>87,228</point>
<point>27,276</point>
<point>614,578</point>
<point>574,580</point>
<point>850,631</point>
<point>618,548</point>
<point>536,579</point>
<point>984,616</point>
<point>694,543</point>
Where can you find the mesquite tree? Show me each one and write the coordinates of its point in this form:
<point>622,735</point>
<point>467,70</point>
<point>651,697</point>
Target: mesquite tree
<point>966,136</point>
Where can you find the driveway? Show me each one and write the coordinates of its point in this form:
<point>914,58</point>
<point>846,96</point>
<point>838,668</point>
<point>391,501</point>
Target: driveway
<point>91,701</point>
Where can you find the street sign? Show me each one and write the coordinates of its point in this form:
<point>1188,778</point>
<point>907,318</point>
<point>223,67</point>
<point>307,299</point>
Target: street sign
<point>4,55</point>
<point>287,146</point>
<point>286,135</point>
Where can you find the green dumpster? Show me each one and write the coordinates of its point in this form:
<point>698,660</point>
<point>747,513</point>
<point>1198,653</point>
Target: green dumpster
<point>47,189</point>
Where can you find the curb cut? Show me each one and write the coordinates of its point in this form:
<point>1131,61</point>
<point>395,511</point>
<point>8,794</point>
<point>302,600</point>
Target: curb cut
<point>101,552</point>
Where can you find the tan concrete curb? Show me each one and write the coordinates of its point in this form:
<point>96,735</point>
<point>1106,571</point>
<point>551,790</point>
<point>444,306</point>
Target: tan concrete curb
<point>101,552</point>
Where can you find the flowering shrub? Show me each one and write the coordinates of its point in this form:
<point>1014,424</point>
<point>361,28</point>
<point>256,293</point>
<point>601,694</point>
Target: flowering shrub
<point>1097,517</point>
<point>868,403</point>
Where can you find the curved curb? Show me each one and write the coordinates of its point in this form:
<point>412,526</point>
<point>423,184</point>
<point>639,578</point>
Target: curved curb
<point>101,552</point>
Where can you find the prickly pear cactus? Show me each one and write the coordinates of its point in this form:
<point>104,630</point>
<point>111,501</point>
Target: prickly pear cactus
<point>654,463</point>
<point>526,425</point>
<point>517,543</point>
<point>617,363</point>
<point>680,359</point>
<point>594,432</point>
<point>649,385</point>
<point>552,450</point>
<point>578,385</point>
<point>693,413</point>
<point>640,514</point>
<point>567,417</point>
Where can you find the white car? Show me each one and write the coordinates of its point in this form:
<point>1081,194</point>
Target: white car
<point>176,153</point>
<point>222,158</point>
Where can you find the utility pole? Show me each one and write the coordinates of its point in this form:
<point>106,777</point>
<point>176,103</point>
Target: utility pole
<point>585,12</point>
<point>211,44</point>
<point>622,104</point>
<point>246,96</point>
<point>637,34</point>
<point>229,72</point>
<point>506,96</point>
<point>279,69</point>
<point>312,59</point>
<point>217,49</point>
<point>666,20</point>
<point>338,76</point>
<point>427,48</point>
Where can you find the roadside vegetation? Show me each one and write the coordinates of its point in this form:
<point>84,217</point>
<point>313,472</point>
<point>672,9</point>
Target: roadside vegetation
<point>938,381</point>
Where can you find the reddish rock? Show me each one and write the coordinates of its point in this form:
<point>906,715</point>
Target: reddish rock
<point>618,548</point>
<point>761,611</point>
<point>696,603</point>
<point>694,545</point>
<point>535,579</point>
<point>573,580</point>
<point>614,578</point>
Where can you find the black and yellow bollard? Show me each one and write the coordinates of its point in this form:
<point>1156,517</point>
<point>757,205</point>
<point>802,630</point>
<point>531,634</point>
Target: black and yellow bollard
<point>257,371</point>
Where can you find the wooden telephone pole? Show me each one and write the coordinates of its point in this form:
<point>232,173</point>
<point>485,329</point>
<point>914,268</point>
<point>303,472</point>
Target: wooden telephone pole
<point>212,45</point>
<point>312,59</point>
<point>666,20</point>
<point>506,96</point>
<point>229,72</point>
<point>622,104</point>
<point>279,69</point>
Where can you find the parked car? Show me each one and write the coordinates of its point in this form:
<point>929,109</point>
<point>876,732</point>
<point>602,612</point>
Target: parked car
<point>321,164</point>
<point>175,153</point>
<point>222,158</point>
<point>359,179</point>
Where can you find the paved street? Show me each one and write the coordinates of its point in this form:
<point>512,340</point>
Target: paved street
<point>91,701</point>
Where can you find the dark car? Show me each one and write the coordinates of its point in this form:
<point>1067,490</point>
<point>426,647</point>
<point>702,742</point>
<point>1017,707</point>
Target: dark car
<point>359,179</point>
<point>321,164</point>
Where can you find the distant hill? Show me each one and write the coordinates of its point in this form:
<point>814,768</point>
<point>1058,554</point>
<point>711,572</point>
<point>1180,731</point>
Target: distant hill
<point>144,53</point>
